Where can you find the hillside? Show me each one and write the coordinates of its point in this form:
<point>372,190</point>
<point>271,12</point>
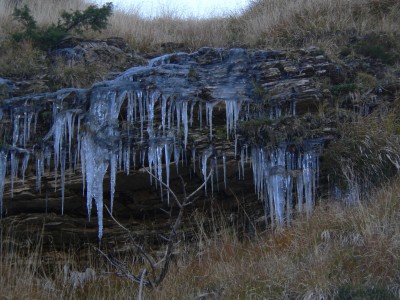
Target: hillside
<point>283,122</point>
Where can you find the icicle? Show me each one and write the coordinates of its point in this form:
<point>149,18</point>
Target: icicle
<point>229,118</point>
<point>224,167</point>
<point>206,154</point>
<point>177,153</point>
<point>289,192</point>
<point>30,116</point>
<point>194,158</point>
<point>236,142</point>
<point>14,171</point>
<point>62,161</point>
<point>300,188</point>
<point>308,181</point>
<point>120,155</point>
<point>25,134</point>
<point>178,107</point>
<point>113,175</point>
<point>242,161</point>
<point>209,114</point>
<point>35,121</point>
<point>141,112</point>
<point>142,157</point>
<point>159,167</point>
<point>277,185</point>
<point>201,115</point>
<point>58,133</point>
<point>3,167</point>
<point>150,158</point>
<point>16,130</point>
<point>216,171</point>
<point>78,147</point>
<point>129,112</point>
<point>150,108</point>
<point>24,166</point>
<point>134,158</point>
<point>95,166</point>
<point>70,125</point>
<point>127,158</point>
<point>212,181</point>
<point>167,163</point>
<point>233,108</point>
<point>83,167</point>
<point>39,163</point>
<point>185,121</point>
<point>204,171</point>
<point>169,116</point>
<point>163,111</point>
<point>191,113</point>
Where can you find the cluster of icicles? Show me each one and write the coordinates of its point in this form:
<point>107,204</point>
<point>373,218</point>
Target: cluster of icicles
<point>155,132</point>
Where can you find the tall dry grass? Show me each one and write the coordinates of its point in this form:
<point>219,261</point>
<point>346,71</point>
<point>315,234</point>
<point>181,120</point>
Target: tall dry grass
<point>320,22</point>
<point>340,252</point>
<point>45,12</point>
<point>264,23</point>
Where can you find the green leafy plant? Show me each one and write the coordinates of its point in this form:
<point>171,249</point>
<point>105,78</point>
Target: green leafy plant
<point>93,18</point>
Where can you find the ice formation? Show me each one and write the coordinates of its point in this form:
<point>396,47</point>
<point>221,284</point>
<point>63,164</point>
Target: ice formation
<point>159,104</point>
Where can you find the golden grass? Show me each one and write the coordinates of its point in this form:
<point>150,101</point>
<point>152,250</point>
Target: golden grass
<point>340,251</point>
<point>265,23</point>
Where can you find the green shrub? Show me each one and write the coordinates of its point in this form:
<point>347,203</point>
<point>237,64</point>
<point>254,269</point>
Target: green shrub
<point>93,17</point>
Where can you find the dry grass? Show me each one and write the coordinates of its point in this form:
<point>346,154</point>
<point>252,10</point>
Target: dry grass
<point>366,152</point>
<point>265,23</point>
<point>340,252</point>
<point>324,22</point>
<point>20,61</point>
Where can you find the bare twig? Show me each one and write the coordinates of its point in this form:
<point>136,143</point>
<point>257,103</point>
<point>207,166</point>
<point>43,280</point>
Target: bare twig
<point>166,186</point>
<point>141,284</point>
<point>121,268</point>
<point>149,259</point>
<point>200,187</point>
<point>171,242</point>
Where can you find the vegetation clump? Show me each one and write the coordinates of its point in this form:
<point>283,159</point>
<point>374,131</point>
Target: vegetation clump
<point>93,17</point>
<point>380,46</point>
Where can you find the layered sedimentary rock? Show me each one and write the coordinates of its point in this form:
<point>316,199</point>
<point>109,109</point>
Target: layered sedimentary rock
<point>181,113</point>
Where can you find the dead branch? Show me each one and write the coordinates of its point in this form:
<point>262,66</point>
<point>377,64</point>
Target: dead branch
<point>162,265</point>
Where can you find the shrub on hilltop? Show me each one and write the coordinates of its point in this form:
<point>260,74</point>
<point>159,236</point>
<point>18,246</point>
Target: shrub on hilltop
<point>93,17</point>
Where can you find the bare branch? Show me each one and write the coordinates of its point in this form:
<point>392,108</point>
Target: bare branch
<point>171,241</point>
<point>122,269</point>
<point>141,284</point>
<point>167,187</point>
<point>115,220</point>
<point>149,259</point>
<point>200,187</point>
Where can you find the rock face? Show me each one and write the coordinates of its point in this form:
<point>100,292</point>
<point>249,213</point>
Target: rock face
<point>6,88</point>
<point>244,115</point>
<point>112,52</point>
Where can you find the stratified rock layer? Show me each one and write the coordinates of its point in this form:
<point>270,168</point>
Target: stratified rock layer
<point>171,112</point>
